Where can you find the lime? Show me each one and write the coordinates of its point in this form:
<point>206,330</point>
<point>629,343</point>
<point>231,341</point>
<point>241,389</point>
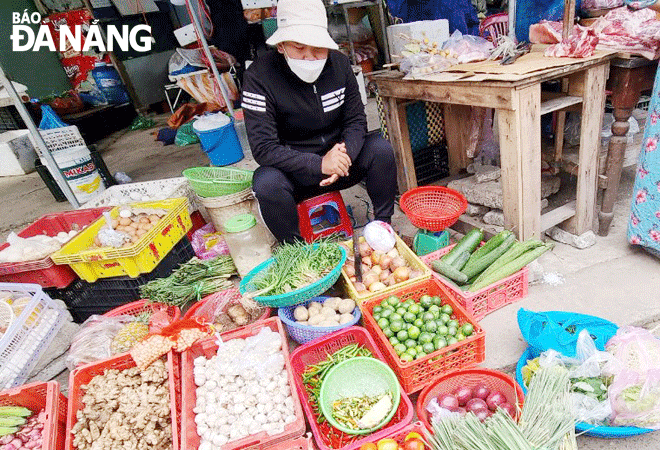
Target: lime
<point>445,317</point>
<point>431,326</point>
<point>394,341</point>
<point>387,331</point>
<point>439,342</point>
<point>419,323</point>
<point>412,351</point>
<point>410,343</point>
<point>429,347</point>
<point>401,310</point>
<point>407,325</point>
<point>436,300</point>
<point>408,302</point>
<point>377,309</point>
<point>402,335</point>
<point>451,331</point>
<point>409,317</point>
<point>414,308</point>
<point>425,301</point>
<point>460,336</point>
<point>447,309</point>
<point>420,355</point>
<point>418,348</point>
<point>396,325</point>
<point>400,348</point>
<point>377,317</point>
<point>443,330</point>
<point>393,300</point>
<point>386,312</point>
<point>435,310</point>
<point>453,323</point>
<point>395,316</point>
<point>407,357</point>
<point>427,316</point>
<point>383,323</point>
<point>439,323</point>
<point>413,332</point>
<point>452,341</point>
<point>425,338</point>
<point>467,329</point>
<point>384,304</point>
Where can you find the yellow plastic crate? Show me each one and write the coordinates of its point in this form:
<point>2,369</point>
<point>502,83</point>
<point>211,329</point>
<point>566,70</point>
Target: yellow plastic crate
<point>407,254</point>
<point>91,263</point>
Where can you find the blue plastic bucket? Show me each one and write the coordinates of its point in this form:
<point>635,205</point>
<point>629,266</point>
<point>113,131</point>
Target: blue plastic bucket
<point>221,145</point>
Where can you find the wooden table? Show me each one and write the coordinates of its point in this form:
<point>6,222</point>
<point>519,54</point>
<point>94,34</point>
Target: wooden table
<point>517,97</point>
<point>629,76</point>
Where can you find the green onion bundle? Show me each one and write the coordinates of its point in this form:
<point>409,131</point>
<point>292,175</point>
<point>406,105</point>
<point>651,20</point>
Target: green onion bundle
<point>295,266</point>
<point>191,281</point>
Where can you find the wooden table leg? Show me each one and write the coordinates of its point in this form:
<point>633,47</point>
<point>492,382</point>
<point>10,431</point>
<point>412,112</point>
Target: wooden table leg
<point>457,133</point>
<point>397,128</point>
<point>626,85</point>
<point>589,84</point>
<point>520,153</point>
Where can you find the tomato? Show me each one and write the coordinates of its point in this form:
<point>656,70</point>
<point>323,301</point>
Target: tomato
<point>369,446</point>
<point>413,444</point>
<point>387,444</point>
<point>413,435</point>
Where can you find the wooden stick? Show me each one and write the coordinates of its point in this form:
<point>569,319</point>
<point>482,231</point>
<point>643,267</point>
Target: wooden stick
<point>569,19</point>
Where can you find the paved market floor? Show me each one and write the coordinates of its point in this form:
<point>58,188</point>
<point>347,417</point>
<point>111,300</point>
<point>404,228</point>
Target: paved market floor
<point>611,279</point>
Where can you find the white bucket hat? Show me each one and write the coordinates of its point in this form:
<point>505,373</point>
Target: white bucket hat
<point>303,21</point>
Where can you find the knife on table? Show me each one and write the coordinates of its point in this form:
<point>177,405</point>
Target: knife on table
<point>357,259</point>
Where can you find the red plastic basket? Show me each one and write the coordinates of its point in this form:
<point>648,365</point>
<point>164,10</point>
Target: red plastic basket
<point>450,381</point>
<point>84,374</point>
<point>493,297</point>
<point>433,208</point>
<point>197,222</point>
<point>44,271</point>
<point>234,296</point>
<point>208,348</point>
<point>417,374</point>
<point>141,306</point>
<point>38,396</point>
<point>302,443</point>
<point>326,436</point>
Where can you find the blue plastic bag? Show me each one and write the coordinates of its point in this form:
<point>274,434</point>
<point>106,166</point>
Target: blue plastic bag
<point>50,119</point>
<point>559,330</point>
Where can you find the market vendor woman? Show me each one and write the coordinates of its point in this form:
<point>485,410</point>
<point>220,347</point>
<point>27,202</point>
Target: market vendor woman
<point>306,124</point>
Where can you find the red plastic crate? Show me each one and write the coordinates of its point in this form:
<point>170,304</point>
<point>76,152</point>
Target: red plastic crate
<point>140,306</point>
<point>493,297</point>
<point>44,271</point>
<point>84,374</point>
<point>38,396</point>
<point>417,374</point>
<point>174,368</point>
<point>326,436</point>
<point>233,294</point>
<point>208,348</point>
<point>197,222</point>
<point>302,443</point>
<point>450,381</point>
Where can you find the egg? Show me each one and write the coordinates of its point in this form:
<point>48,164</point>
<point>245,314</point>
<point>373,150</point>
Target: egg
<point>125,221</point>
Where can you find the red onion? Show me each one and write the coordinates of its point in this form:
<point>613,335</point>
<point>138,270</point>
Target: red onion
<point>481,391</point>
<point>482,414</point>
<point>448,401</point>
<point>495,399</point>
<point>463,395</point>
<point>461,411</point>
<point>509,409</point>
<point>476,404</point>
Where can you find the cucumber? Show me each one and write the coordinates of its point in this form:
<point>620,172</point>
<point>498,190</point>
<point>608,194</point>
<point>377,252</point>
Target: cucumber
<point>4,431</point>
<point>14,411</point>
<point>517,249</point>
<point>469,242</point>
<point>10,421</point>
<point>449,271</point>
<point>479,265</point>
<point>459,263</point>
<point>492,244</point>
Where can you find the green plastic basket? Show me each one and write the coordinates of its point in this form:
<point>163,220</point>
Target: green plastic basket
<point>218,181</point>
<point>354,378</point>
<point>294,297</point>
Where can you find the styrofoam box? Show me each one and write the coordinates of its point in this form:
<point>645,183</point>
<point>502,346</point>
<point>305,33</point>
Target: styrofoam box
<point>185,35</point>
<point>17,153</point>
<point>434,30</point>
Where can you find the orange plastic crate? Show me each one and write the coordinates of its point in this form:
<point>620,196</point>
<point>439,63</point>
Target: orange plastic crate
<point>493,297</point>
<point>38,396</point>
<point>141,306</point>
<point>449,382</point>
<point>189,438</point>
<point>417,374</point>
<point>295,444</point>
<point>84,374</point>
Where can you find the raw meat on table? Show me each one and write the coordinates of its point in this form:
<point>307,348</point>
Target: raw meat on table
<point>578,45</point>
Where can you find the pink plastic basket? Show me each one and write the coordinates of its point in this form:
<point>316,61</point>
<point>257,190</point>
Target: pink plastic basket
<point>208,348</point>
<point>480,303</point>
<point>327,437</point>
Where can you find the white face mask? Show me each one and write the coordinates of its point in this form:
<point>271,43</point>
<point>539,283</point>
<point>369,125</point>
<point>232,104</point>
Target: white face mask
<point>306,70</point>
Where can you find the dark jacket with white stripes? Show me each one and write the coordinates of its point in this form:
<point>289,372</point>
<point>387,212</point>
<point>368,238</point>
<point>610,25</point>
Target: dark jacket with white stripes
<point>291,124</point>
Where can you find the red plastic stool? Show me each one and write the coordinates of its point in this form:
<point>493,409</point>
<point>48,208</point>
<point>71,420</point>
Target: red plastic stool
<point>324,215</point>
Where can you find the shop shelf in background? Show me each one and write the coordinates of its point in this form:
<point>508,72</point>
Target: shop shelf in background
<point>480,303</point>
<point>37,321</point>
<point>417,374</point>
<point>44,396</point>
<point>92,263</point>
<point>45,272</point>
<point>318,350</point>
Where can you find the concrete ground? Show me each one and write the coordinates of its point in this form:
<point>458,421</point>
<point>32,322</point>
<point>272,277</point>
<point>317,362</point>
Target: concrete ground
<point>611,279</point>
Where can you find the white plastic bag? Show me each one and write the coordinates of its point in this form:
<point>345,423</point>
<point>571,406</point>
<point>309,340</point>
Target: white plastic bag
<point>29,249</point>
<point>380,236</point>
<point>94,339</point>
<point>211,122</point>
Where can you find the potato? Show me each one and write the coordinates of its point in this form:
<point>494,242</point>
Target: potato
<point>315,320</point>
<point>301,314</point>
<point>327,311</point>
<point>346,306</point>
<point>314,305</point>
<point>345,318</point>
<point>332,302</point>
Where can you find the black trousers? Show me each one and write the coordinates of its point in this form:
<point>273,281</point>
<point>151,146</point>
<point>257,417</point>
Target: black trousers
<point>279,193</point>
